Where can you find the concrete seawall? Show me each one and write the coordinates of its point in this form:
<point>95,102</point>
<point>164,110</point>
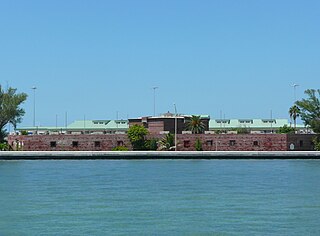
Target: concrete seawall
<point>149,155</point>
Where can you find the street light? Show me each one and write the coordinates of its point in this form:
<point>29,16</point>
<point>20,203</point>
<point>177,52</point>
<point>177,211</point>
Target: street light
<point>294,91</point>
<point>154,100</point>
<point>34,105</point>
<point>175,127</point>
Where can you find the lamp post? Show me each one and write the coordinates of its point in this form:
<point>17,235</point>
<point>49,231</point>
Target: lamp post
<point>294,91</point>
<point>154,100</point>
<point>34,105</point>
<point>175,127</point>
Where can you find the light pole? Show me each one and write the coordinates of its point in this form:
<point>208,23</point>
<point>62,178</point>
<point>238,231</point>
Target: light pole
<point>294,91</point>
<point>154,100</point>
<point>34,105</point>
<point>175,127</point>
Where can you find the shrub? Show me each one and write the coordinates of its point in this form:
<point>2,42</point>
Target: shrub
<point>285,130</point>
<point>167,142</point>
<point>198,145</point>
<point>242,131</point>
<point>152,144</point>
<point>120,148</point>
<point>24,132</point>
<point>316,143</point>
<point>4,147</point>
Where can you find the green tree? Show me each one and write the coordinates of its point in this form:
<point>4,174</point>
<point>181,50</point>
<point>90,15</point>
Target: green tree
<point>285,130</point>
<point>315,125</point>
<point>316,143</point>
<point>195,125</point>
<point>167,143</point>
<point>310,109</point>
<point>198,145</point>
<point>10,110</point>
<point>137,136</point>
<point>152,144</point>
<point>294,112</point>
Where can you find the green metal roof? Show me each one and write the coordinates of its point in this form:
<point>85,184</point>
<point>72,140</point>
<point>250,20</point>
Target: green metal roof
<point>43,128</point>
<point>98,125</point>
<point>249,123</point>
<point>118,124</point>
<point>214,124</point>
<point>86,125</point>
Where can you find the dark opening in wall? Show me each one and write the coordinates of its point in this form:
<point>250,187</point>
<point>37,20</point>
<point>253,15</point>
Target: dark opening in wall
<point>97,144</point>
<point>186,143</point>
<point>209,142</point>
<point>75,144</point>
<point>232,142</point>
<point>53,144</point>
<point>255,143</point>
<point>119,143</point>
<point>301,143</point>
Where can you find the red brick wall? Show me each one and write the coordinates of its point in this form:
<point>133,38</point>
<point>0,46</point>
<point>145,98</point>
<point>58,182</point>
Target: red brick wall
<point>301,142</point>
<point>65,142</point>
<point>234,142</point>
<point>156,127</point>
<point>186,142</point>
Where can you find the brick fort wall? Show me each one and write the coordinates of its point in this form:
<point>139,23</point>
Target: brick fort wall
<point>186,142</point>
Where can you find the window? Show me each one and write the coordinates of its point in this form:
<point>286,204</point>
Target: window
<point>75,144</point>
<point>186,143</point>
<point>120,143</point>
<point>53,144</point>
<point>97,144</point>
<point>209,142</point>
<point>232,142</point>
<point>246,121</point>
<point>255,143</point>
<point>223,121</point>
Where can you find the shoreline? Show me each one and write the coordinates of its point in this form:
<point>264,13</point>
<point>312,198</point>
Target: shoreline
<point>150,155</point>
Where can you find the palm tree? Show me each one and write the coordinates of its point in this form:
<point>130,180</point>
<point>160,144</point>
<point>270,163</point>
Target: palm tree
<point>294,112</point>
<point>195,125</point>
<point>167,143</point>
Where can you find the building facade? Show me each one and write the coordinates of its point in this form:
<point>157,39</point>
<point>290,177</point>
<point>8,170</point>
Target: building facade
<point>166,123</point>
<point>219,135</point>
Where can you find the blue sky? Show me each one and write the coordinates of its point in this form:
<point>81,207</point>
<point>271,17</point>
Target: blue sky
<point>101,58</point>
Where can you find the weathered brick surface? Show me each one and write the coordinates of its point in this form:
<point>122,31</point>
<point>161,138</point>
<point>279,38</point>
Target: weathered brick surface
<point>301,142</point>
<point>234,142</point>
<point>186,142</point>
<point>97,142</point>
<point>156,127</point>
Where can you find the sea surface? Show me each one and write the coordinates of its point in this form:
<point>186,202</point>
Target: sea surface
<point>160,197</point>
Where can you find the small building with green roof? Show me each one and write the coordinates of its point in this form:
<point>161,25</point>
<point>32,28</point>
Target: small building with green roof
<point>82,127</point>
<point>250,125</point>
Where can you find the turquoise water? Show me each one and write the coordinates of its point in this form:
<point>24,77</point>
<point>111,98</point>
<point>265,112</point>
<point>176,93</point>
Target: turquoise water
<point>164,197</point>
